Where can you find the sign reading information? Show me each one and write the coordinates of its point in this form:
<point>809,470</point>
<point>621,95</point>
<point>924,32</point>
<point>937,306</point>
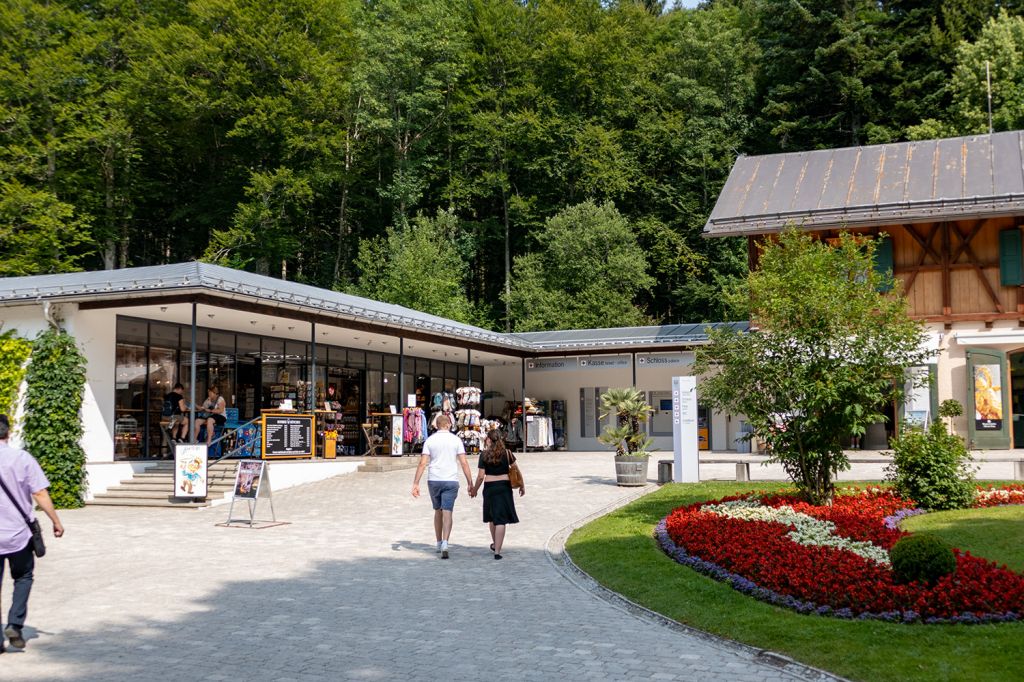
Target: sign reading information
<point>685,446</point>
<point>288,435</point>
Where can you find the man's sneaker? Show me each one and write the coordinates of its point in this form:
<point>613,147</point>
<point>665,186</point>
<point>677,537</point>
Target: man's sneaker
<point>14,635</point>
<point>444,549</point>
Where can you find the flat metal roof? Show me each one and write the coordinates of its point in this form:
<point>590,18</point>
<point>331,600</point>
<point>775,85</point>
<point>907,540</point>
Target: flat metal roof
<point>124,285</point>
<point>906,182</point>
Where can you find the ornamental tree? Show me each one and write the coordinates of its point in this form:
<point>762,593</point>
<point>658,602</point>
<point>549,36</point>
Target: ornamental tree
<point>829,350</point>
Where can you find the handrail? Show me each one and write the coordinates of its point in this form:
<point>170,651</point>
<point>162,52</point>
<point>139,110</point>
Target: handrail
<point>228,433</point>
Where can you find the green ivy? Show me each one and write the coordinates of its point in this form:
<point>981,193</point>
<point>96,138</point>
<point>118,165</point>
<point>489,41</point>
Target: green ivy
<point>14,351</point>
<point>53,420</point>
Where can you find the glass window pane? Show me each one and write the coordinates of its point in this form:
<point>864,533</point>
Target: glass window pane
<point>273,350</point>
<point>202,339</point>
<point>162,369</point>
<point>131,331</point>
<point>164,335</point>
<point>248,345</point>
<point>321,354</point>
<point>356,359</point>
<point>373,390</point>
<point>130,364</point>
<point>437,369</point>
<point>373,361</point>
<point>222,342</point>
<point>390,396</point>
<point>296,351</point>
<point>390,363</point>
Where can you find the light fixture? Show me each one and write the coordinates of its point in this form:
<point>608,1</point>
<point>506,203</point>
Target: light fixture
<point>252,322</point>
<point>291,328</point>
<point>163,309</point>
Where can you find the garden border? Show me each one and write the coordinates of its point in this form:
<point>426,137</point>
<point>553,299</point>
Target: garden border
<point>560,560</point>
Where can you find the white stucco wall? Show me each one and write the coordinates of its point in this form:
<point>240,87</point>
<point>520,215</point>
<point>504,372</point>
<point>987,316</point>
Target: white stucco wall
<point>566,384</point>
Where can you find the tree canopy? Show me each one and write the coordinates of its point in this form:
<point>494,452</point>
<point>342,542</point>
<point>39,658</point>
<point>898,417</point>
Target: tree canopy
<point>829,352</point>
<point>279,135</point>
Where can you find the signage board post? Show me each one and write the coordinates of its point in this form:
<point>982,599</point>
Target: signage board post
<point>190,474</point>
<point>684,430</point>
<point>252,483</point>
<point>288,435</point>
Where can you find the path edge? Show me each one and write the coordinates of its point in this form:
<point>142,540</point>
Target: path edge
<point>560,560</point>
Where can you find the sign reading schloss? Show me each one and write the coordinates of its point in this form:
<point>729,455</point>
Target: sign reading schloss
<point>685,445</point>
<point>673,360</point>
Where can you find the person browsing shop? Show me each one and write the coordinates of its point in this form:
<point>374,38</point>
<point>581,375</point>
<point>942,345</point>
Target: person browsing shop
<point>443,455</point>
<point>212,413</point>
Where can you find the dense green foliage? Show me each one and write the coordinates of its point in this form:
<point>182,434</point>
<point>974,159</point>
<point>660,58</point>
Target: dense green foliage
<point>932,468</point>
<point>52,429</point>
<point>831,352</point>
<point>277,135</point>
<point>14,351</point>
<point>922,557</point>
<point>619,551</point>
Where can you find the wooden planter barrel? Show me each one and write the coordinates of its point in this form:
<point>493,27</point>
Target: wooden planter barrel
<point>631,471</point>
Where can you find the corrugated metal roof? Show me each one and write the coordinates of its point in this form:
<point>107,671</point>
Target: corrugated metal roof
<point>129,283</point>
<point>905,182</point>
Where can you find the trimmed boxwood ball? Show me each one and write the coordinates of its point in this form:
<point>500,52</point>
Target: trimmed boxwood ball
<point>922,557</point>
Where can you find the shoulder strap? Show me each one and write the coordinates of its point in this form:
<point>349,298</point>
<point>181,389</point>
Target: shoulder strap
<point>17,506</point>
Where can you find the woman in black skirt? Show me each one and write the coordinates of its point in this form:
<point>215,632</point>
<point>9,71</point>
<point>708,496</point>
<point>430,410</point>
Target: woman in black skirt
<point>499,505</point>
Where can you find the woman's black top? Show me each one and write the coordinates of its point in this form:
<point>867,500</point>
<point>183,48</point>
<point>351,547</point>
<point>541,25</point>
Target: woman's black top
<point>498,469</point>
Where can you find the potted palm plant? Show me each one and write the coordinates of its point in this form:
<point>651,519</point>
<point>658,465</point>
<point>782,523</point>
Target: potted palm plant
<point>632,446</point>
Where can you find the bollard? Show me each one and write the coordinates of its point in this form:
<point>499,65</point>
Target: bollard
<point>664,471</point>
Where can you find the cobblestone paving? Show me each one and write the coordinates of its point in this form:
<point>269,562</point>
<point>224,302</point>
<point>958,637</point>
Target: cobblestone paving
<point>350,589</point>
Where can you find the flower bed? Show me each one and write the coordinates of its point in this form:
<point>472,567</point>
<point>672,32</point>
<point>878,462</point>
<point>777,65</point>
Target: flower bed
<point>834,560</point>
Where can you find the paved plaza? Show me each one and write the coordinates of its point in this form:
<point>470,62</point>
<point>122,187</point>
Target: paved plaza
<point>351,588</point>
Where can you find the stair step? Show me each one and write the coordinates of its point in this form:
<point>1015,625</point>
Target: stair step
<point>131,502</point>
<point>142,486</point>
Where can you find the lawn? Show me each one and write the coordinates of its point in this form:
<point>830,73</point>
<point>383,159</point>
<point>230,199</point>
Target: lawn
<point>996,533</point>
<point>619,551</point>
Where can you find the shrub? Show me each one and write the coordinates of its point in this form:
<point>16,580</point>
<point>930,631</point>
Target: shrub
<point>13,353</point>
<point>53,421</point>
<point>932,468</point>
<point>923,558</point>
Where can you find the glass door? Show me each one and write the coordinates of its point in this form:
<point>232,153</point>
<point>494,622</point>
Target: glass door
<point>988,399</point>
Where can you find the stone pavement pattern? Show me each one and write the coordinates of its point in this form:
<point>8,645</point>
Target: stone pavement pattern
<point>351,589</point>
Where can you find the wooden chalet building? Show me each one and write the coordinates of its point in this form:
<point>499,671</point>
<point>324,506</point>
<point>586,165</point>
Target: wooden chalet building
<point>952,211</point>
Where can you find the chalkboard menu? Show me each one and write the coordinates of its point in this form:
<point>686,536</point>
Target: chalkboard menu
<point>288,435</point>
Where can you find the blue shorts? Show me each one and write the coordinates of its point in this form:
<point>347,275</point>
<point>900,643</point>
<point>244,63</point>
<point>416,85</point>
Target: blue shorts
<point>443,494</point>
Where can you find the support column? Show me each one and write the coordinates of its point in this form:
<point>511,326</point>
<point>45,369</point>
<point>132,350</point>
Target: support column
<point>401,375</point>
<point>523,398</point>
<point>469,367</point>
<point>312,367</point>
<point>192,382</point>
<point>633,365</point>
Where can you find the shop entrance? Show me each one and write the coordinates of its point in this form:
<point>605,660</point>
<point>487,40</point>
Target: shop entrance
<point>1016,361</point>
<point>343,408</point>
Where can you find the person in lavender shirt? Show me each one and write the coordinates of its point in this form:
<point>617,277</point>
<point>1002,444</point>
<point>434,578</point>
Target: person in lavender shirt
<point>26,481</point>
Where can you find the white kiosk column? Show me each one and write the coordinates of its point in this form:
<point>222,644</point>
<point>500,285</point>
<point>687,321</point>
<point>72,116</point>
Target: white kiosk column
<point>684,430</point>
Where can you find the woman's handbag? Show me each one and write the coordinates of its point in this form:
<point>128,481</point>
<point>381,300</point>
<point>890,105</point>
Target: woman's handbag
<point>515,476</point>
<point>38,546</point>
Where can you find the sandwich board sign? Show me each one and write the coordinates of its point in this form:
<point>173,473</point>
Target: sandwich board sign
<point>252,483</point>
<point>190,476</point>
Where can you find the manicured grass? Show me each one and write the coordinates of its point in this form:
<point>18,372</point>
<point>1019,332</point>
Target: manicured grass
<point>996,533</point>
<point>620,552</point>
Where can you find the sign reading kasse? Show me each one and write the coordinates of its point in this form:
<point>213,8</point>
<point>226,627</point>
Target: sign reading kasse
<point>288,435</point>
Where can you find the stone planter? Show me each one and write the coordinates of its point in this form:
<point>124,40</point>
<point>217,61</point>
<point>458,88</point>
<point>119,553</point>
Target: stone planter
<point>631,471</point>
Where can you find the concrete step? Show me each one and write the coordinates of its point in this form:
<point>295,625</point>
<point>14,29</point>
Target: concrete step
<point>166,502</point>
<point>383,464</point>
<point>151,485</point>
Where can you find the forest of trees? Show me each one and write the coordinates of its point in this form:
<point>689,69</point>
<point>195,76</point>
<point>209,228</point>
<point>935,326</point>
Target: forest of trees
<point>520,164</point>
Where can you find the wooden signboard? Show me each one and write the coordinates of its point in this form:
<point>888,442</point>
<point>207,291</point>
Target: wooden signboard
<point>288,435</point>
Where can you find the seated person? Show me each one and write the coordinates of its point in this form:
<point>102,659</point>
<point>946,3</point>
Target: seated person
<point>177,426</point>
<point>212,413</point>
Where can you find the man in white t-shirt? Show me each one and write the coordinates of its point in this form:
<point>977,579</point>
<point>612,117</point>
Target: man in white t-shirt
<point>443,454</point>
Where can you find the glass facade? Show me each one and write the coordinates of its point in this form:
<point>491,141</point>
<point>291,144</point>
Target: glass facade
<point>253,373</point>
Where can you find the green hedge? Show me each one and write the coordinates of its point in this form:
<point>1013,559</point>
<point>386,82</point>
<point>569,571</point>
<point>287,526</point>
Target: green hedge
<point>14,351</point>
<point>53,414</point>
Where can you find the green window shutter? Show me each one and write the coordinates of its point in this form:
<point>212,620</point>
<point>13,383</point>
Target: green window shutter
<point>884,259</point>
<point>1011,262</point>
